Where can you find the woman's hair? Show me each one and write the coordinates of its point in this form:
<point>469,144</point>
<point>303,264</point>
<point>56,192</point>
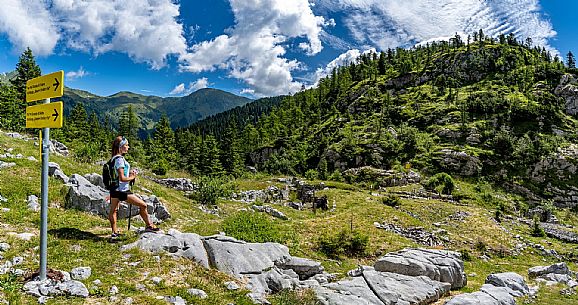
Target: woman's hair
<point>116,145</point>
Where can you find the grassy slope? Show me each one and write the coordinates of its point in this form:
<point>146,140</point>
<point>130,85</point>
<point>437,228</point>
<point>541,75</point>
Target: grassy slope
<point>79,239</point>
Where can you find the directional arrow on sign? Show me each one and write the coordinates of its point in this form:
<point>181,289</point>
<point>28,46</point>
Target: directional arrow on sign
<point>56,84</point>
<point>55,114</point>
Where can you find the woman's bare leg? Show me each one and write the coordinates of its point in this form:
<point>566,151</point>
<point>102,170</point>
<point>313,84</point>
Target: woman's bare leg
<point>114,202</point>
<point>133,199</point>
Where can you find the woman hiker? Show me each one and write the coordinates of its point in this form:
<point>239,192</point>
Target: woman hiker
<point>122,192</point>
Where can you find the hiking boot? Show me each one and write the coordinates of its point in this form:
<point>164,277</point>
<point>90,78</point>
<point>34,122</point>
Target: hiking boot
<point>151,229</point>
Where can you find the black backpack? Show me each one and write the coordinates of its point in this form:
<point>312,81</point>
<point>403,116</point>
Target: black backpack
<point>109,175</point>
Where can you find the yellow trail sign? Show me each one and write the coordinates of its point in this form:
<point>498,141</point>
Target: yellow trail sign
<point>44,115</point>
<point>46,86</point>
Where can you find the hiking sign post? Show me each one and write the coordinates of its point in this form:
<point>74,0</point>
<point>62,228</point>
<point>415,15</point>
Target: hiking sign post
<point>47,115</point>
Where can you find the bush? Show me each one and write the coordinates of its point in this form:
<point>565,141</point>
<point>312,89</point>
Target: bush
<point>160,167</point>
<point>253,227</point>
<point>391,200</point>
<point>336,176</point>
<point>346,242</point>
<point>466,256</point>
<point>537,230</point>
<point>209,189</point>
<point>442,183</point>
<point>311,174</point>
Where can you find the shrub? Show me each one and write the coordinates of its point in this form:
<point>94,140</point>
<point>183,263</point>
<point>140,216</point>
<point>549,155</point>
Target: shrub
<point>311,174</point>
<point>336,176</point>
<point>391,200</point>
<point>209,189</point>
<point>466,256</point>
<point>160,167</point>
<point>253,227</point>
<point>346,242</point>
<point>537,230</point>
<point>442,183</point>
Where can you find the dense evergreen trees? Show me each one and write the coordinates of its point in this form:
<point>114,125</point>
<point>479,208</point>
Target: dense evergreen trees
<point>384,110</point>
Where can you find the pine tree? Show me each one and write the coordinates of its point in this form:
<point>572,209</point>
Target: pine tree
<point>210,163</point>
<point>570,60</point>
<point>128,124</point>
<point>9,114</point>
<point>231,158</point>
<point>26,69</point>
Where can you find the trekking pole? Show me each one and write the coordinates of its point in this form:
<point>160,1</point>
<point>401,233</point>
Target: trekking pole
<point>130,208</point>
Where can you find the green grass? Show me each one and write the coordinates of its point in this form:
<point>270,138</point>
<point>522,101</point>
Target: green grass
<point>80,239</point>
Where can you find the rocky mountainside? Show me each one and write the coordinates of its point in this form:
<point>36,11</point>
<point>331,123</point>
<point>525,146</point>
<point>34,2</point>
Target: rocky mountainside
<point>501,112</point>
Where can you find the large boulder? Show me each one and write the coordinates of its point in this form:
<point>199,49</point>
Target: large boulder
<point>511,280</point>
<point>236,257</point>
<point>500,289</point>
<point>192,247</point>
<point>458,162</point>
<point>379,288</point>
<point>568,90</point>
<point>81,194</point>
<point>559,268</point>
<point>438,265</point>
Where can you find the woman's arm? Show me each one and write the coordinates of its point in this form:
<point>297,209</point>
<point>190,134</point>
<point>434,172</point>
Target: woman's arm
<point>123,178</point>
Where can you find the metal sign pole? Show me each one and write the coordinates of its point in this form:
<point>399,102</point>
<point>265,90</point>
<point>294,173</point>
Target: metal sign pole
<point>44,208</point>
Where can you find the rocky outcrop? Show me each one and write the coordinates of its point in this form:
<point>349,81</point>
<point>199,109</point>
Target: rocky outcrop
<point>557,273</point>
<point>385,178</point>
<point>568,90</point>
<point>82,195</point>
<point>499,289</point>
<point>59,148</point>
<point>438,265</point>
<point>458,162</point>
<point>270,210</point>
<point>57,283</point>
<point>418,234</point>
<point>264,267</point>
<point>179,184</point>
<point>560,233</point>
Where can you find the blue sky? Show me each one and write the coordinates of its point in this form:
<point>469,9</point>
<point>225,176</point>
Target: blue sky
<point>249,47</point>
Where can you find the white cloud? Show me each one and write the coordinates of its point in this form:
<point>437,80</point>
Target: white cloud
<point>28,24</point>
<point>391,23</point>
<point>72,75</point>
<point>341,60</point>
<point>181,89</point>
<point>200,83</point>
<point>254,49</point>
<point>147,30</point>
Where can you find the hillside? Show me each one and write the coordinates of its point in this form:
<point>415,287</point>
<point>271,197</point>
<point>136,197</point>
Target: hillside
<point>79,239</point>
<point>181,111</point>
<point>503,113</point>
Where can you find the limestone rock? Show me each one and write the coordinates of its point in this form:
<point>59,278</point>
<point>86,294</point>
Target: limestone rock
<point>81,194</point>
<point>510,280</point>
<point>155,243</point>
<point>438,265</point>
<point>237,258</point>
<point>81,273</point>
<point>560,268</point>
<point>304,267</point>
<point>33,204</point>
